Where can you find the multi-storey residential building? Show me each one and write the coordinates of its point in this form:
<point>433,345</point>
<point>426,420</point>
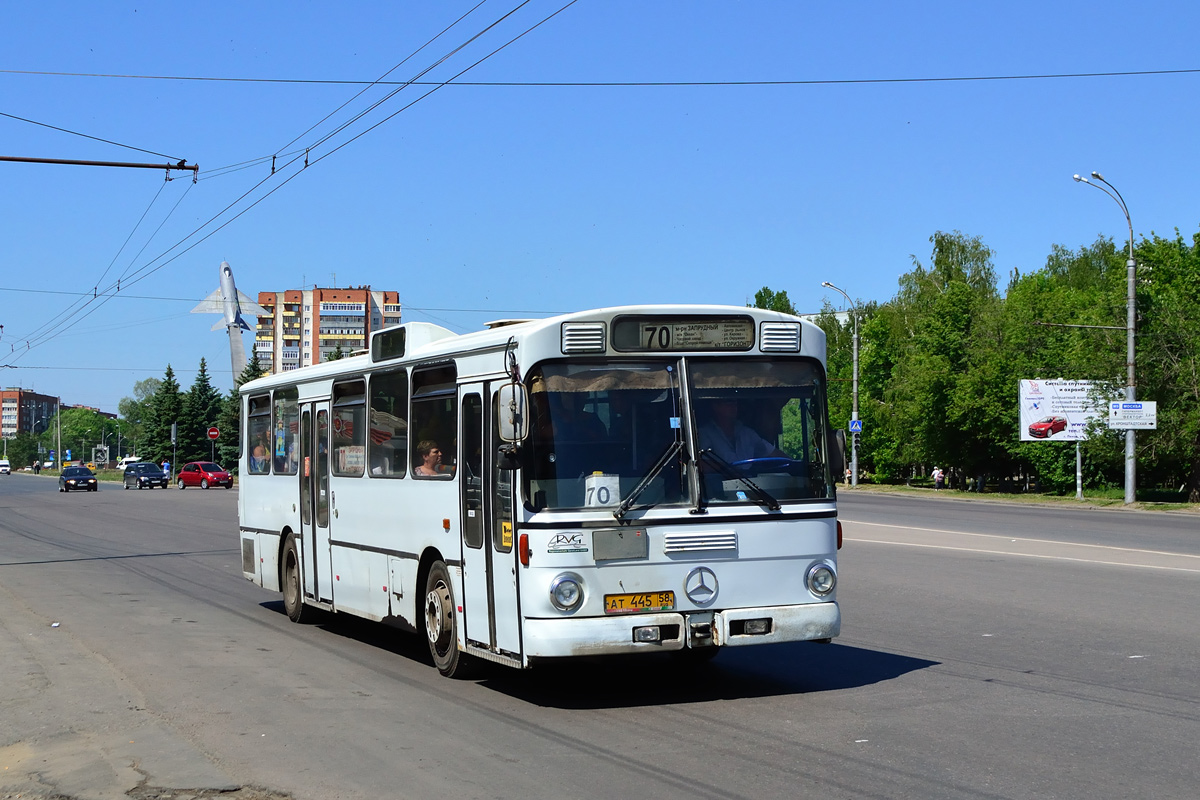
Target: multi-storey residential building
<point>305,325</point>
<point>23,410</point>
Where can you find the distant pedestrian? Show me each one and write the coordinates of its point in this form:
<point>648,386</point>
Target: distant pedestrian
<point>37,468</point>
<point>939,479</point>
<point>167,468</point>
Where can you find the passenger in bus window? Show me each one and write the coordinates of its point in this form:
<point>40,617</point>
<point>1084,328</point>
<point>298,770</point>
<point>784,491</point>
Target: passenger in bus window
<point>731,439</point>
<point>258,459</point>
<point>430,456</point>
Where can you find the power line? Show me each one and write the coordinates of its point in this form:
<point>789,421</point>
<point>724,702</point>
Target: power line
<point>406,307</point>
<point>619,84</point>
<point>393,69</point>
<point>147,269</point>
<point>86,136</point>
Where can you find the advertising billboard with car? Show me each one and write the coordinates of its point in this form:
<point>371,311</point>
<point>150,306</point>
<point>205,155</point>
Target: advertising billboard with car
<point>1059,410</point>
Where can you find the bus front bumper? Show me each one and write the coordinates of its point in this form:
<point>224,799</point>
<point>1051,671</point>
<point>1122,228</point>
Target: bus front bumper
<point>588,636</point>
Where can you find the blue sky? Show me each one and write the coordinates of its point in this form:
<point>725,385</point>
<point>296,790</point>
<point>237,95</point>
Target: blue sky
<point>482,202</point>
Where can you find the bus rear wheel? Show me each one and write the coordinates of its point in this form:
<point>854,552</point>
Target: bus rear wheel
<point>293,592</point>
<point>441,624</point>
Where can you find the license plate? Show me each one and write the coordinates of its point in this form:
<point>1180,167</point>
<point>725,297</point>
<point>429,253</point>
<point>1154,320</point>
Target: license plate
<point>638,603</point>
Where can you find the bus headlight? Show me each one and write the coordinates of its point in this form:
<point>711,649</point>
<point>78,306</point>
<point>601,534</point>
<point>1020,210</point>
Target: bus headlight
<point>566,591</point>
<point>821,579</point>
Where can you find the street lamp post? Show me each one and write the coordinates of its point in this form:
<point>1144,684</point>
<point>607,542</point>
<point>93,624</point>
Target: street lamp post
<point>854,413</point>
<point>1130,330</point>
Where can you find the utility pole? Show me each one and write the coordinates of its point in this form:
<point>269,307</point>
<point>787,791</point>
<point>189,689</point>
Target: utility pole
<point>853,414</point>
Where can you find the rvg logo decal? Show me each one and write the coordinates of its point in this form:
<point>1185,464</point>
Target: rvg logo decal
<point>566,543</point>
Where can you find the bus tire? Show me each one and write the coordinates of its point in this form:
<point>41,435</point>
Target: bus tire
<point>293,591</point>
<point>441,623</point>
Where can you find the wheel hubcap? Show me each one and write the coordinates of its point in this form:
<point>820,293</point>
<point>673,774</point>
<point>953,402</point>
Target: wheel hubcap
<point>437,615</point>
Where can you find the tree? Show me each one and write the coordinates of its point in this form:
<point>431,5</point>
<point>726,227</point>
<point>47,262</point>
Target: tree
<point>773,301</point>
<point>135,410</point>
<point>201,408</point>
<point>1168,361</point>
<point>941,397</point>
<point>166,407</point>
<point>22,449</point>
<point>336,355</point>
<point>81,429</point>
<point>1074,288</point>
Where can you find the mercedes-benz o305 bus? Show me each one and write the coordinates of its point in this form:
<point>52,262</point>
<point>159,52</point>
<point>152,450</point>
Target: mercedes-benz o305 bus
<point>624,480</point>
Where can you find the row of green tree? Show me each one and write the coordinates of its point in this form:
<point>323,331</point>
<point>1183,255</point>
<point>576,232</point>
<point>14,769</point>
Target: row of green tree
<point>939,363</point>
<point>145,424</point>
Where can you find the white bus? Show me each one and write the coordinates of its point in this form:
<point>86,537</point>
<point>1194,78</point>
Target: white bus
<point>623,480</point>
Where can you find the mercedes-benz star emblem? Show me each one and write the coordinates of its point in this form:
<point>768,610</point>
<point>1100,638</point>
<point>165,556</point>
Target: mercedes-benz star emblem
<point>701,586</point>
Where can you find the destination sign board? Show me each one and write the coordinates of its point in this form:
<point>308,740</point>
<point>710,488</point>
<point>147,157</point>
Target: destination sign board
<point>641,334</point>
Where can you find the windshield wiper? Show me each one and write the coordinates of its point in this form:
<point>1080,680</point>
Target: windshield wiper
<point>671,452</point>
<point>727,470</point>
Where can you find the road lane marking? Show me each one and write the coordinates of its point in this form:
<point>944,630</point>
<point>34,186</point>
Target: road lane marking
<point>1024,539</point>
<point>1024,547</point>
<point>1027,555</point>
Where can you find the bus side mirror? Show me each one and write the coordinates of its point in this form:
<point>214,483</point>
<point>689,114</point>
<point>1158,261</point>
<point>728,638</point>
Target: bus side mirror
<point>512,412</point>
<point>837,454</point>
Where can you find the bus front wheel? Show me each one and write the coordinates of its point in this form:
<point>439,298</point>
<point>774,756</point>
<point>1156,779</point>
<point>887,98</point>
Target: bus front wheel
<point>293,592</point>
<point>441,623</point>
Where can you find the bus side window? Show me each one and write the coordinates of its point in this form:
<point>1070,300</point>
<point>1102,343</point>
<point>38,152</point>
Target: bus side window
<point>435,417</point>
<point>349,447</point>
<point>258,434</point>
<point>283,437</point>
<point>387,442</point>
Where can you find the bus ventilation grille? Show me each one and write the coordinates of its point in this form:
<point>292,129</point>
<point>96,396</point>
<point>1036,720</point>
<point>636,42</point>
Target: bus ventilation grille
<point>582,337</point>
<point>695,542</point>
<point>779,337</point>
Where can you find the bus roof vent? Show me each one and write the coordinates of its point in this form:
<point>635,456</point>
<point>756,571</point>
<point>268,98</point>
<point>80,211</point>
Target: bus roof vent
<point>779,337</point>
<point>582,337</point>
<point>504,323</point>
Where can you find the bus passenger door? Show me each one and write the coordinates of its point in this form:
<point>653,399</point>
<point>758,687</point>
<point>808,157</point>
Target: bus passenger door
<point>475,557</point>
<point>505,570</point>
<point>314,500</point>
<point>490,609</point>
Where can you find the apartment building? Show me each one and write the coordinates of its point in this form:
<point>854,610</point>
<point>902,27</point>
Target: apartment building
<point>304,326</point>
<point>23,410</point>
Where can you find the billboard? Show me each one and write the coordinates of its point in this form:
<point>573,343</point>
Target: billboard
<point>1059,409</point>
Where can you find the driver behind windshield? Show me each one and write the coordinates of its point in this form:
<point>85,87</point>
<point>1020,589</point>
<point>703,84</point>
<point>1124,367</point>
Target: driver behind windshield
<point>729,438</point>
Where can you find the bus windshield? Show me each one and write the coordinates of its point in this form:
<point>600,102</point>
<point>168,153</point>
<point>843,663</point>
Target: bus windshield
<point>759,430</point>
<point>604,434</point>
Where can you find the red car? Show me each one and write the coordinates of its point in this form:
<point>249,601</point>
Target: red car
<point>204,474</point>
<point>1047,426</point>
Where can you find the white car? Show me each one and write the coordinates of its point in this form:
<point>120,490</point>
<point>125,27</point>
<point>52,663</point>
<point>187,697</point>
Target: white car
<point>5,469</point>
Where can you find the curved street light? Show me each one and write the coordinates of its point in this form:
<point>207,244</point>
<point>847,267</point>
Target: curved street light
<point>1130,331</point>
<point>854,414</point>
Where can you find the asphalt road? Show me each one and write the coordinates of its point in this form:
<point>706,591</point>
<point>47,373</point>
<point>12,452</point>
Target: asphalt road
<point>988,651</point>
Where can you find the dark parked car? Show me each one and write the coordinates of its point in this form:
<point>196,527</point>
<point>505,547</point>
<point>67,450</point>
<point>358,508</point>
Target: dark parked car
<point>144,475</point>
<point>204,474</point>
<point>77,478</point>
<point>1047,426</point>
